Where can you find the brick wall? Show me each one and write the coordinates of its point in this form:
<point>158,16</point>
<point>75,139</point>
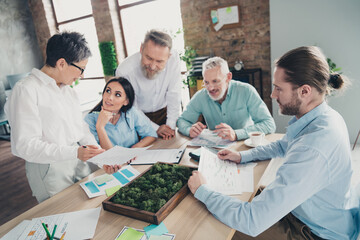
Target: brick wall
<point>249,42</point>
<point>44,22</point>
<point>107,25</point>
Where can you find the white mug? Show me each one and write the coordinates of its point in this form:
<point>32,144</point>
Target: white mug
<point>256,138</point>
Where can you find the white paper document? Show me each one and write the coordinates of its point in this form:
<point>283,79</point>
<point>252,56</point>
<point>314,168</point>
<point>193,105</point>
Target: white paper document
<point>116,156</point>
<point>165,236</point>
<point>208,138</point>
<point>77,225</point>
<point>97,186</point>
<point>225,176</point>
<point>159,155</point>
<point>228,15</point>
<point>16,232</point>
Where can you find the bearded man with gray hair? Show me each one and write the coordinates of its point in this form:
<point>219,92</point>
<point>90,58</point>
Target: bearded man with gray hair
<point>155,75</point>
<point>231,108</point>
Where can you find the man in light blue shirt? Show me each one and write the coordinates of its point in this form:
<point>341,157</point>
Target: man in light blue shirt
<point>231,108</point>
<point>312,188</point>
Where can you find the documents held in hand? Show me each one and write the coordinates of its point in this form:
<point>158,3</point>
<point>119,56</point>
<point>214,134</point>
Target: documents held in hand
<point>225,176</point>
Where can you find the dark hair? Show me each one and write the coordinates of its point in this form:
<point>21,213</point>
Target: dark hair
<point>71,46</point>
<point>159,38</point>
<point>129,91</point>
<point>308,65</point>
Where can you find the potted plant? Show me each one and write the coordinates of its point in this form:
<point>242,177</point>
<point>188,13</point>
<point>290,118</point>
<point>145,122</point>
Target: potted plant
<point>189,80</point>
<point>108,59</point>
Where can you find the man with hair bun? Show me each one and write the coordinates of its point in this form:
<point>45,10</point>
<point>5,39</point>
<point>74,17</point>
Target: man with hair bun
<point>310,197</point>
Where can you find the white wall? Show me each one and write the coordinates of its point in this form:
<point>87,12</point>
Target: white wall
<point>19,50</point>
<point>334,26</point>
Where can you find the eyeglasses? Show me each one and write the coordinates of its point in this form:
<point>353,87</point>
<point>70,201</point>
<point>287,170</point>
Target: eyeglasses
<point>213,83</point>
<point>81,69</point>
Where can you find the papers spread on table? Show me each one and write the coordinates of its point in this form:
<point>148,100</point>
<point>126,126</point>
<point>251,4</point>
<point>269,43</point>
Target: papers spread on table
<point>225,176</point>
<point>159,155</point>
<point>99,185</point>
<point>77,225</point>
<point>209,138</point>
<point>128,233</point>
<point>116,156</point>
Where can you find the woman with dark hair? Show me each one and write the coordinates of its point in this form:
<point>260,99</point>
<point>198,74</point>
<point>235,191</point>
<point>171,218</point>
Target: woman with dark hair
<point>114,121</point>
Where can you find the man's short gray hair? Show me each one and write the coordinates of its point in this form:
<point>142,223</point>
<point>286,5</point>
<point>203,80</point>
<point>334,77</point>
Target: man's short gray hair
<point>159,38</point>
<point>214,62</point>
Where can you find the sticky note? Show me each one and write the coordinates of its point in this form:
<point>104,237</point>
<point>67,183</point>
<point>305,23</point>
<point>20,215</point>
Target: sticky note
<point>228,9</point>
<point>103,179</point>
<point>130,234</point>
<point>112,190</point>
<point>127,173</point>
<point>121,178</point>
<point>92,187</point>
<point>214,17</point>
<point>156,229</point>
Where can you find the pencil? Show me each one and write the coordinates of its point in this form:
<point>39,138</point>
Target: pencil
<point>53,233</point>
<point>46,230</point>
<point>62,237</point>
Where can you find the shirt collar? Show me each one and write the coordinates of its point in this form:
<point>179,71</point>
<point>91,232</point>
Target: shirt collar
<point>229,88</point>
<point>296,125</point>
<point>46,79</point>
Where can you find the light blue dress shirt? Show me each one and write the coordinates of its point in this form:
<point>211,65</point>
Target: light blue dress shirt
<point>313,183</point>
<point>124,133</point>
<point>242,109</point>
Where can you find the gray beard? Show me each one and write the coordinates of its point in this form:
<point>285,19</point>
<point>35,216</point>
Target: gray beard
<point>145,73</point>
<point>219,97</point>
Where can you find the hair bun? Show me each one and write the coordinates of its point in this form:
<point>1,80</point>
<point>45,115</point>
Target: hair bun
<point>335,81</point>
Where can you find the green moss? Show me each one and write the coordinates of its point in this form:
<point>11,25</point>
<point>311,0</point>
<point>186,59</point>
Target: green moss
<point>153,189</point>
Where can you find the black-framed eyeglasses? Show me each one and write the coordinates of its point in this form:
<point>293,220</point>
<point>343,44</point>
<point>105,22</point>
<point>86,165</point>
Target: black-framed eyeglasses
<point>81,69</point>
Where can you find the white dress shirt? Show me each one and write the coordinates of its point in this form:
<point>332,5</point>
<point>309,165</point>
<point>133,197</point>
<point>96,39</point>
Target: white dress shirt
<point>153,95</point>
<point>46,121</point>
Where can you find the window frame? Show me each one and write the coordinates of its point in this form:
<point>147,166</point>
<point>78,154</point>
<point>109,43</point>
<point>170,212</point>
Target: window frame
<point>57,24</point>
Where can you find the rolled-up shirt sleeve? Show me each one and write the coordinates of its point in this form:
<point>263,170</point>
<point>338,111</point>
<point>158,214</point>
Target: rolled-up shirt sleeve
<point>294,184</point>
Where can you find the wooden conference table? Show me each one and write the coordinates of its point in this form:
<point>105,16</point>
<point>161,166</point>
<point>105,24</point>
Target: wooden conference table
<point>189,220</point>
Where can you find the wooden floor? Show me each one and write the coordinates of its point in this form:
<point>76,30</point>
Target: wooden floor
<point>15,197</point>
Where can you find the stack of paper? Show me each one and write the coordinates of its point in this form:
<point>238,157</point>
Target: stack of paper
<point>116,156</point>
<point>225,176</point>
<point>208,138</point>
<point>75,225</point>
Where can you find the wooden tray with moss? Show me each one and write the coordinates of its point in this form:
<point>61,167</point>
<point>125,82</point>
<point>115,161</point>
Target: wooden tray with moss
<point>153,194</point>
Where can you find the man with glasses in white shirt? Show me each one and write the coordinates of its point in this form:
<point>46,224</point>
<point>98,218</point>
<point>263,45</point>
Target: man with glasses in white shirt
<point>154,73</point>
<point>231,108</point>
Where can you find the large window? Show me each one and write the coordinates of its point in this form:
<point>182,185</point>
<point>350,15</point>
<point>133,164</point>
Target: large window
<point>77,16</point>
<point>137,17</point>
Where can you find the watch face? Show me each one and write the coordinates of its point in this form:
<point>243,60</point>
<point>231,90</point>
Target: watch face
<point>237,66</point>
